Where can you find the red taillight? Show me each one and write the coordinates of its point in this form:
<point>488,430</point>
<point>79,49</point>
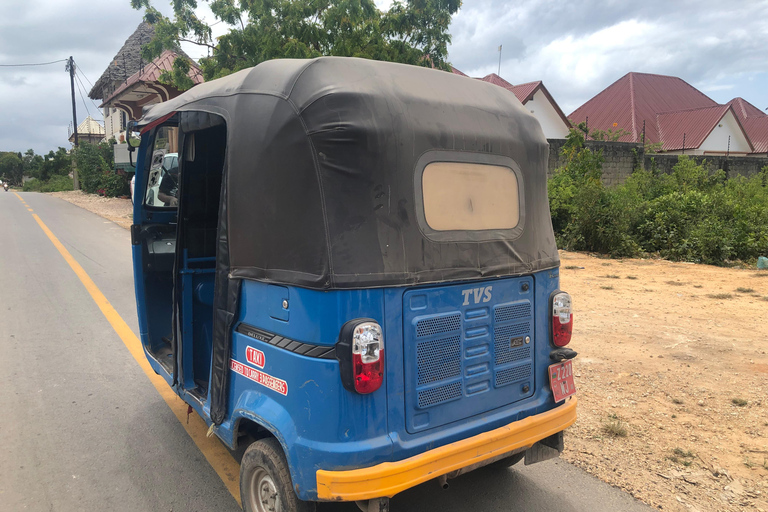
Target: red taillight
<point>562,319</point>
<point>360,352</point>
<point>368,377</point>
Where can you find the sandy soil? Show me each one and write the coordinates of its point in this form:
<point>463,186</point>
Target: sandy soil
<point>117,210</point>
<point>675,355</point>
<point>672,376</point>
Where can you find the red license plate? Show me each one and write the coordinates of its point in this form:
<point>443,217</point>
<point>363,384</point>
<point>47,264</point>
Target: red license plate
<point>561,380</point>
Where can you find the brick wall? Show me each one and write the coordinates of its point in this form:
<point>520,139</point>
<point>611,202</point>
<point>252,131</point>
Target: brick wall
<point>621,158</point>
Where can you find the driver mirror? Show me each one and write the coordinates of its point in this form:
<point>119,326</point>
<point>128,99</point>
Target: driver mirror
<point>132,135</point>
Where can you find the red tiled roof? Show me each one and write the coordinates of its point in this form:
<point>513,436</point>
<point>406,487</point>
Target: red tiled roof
<point>757,131</point>
<point>687,128</point>
<point>638,97</point>
<point>754,121</point>
<point>745,109</point>
<point>495,79</point>
<point>152,71</point>
<point>525,92</point>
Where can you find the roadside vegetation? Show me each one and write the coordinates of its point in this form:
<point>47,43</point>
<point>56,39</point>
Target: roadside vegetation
<point>52,172</point>
<point>95,170</point>
<point>694,214</point>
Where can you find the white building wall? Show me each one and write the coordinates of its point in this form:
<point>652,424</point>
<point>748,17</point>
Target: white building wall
<point>717,141</point>
<point>553,125</point>
<point>112,118</point>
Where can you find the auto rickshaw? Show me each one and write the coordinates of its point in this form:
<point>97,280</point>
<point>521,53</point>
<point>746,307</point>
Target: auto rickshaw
<point>354,274</point>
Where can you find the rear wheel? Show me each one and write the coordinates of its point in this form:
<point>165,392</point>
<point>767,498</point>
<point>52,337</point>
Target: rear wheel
<point>265,481</point>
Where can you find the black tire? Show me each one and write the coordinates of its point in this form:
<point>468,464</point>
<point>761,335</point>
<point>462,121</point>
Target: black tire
<point>265,481</point>
<point>507,461</point>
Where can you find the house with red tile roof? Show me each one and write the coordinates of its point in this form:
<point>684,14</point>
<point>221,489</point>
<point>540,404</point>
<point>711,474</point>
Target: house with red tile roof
<point>754,121</point>
<point>144,87</point>
<point>129,82</point>
<point>666,110</point>
<point>537,99</point>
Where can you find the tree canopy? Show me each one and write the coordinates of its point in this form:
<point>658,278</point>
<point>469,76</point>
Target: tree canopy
<point>411,32</point>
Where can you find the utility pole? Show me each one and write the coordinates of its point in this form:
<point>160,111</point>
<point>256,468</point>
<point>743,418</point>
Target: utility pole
<point>499,73</point>
<point>71,68</point>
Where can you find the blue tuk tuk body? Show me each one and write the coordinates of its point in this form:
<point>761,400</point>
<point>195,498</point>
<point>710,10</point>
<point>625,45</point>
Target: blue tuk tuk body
<point>465,358</point>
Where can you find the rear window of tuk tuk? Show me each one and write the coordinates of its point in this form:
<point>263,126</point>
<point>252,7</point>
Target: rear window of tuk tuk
<point>466,197</point>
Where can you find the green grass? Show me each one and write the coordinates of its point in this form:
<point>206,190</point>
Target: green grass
<point>720,296</point>
<point>572,267</point>
<point>741,289</point>
<point>739,402</point>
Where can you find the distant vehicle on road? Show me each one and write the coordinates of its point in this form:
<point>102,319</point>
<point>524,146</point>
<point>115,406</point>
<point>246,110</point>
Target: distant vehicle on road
<point>358,278</point>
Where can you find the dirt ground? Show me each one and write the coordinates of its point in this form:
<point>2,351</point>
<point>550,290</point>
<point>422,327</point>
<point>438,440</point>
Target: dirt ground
<point>119,211</point>
<point>672,376</point>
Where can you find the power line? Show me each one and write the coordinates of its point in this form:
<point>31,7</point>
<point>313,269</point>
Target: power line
<point>35,64</point>
<point>82,98</point>
<point>86,78</point>
<point>94,104</point>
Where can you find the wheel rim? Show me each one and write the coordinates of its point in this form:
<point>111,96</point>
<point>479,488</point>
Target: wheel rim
<point>263,496</point>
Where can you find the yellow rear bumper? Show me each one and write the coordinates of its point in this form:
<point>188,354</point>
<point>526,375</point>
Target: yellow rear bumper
<point>390,478</point>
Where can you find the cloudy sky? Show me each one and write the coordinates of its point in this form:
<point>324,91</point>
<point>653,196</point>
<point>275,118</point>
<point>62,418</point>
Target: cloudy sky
<point>577,48</point>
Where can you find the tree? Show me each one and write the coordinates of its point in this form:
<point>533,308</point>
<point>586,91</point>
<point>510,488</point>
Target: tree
<point>56,163</point>
<point>32,163</point>
<point>411,32</point>
<point>11,168</point>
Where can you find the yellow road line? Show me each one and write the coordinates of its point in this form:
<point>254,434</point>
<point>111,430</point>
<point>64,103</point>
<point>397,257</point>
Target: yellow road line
<point>215,453</point>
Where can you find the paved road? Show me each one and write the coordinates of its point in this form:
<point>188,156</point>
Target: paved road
<point>83,429</point>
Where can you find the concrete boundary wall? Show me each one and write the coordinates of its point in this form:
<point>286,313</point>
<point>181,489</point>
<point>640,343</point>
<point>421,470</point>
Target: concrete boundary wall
<point>621,158</point>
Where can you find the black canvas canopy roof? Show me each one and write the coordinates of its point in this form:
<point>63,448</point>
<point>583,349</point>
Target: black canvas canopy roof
<point>321,158</point>
<point>321,184</point>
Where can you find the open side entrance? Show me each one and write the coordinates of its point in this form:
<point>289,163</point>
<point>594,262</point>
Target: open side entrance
<point>177,236</point>
<point>200,191</point>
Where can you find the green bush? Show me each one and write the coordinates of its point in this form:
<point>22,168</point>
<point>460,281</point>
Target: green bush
<point>693,214</point>
<point>93,161</point>
<point>114,184</point>
<point>55,184</point>
<point>58,184</point>
<point>33,185</point>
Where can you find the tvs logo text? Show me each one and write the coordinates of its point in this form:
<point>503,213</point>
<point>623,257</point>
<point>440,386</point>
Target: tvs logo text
<point>478,295</point>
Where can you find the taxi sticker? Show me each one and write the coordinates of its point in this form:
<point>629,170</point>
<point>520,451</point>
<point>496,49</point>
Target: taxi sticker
<point>260,377</point>
<point>254,356</point>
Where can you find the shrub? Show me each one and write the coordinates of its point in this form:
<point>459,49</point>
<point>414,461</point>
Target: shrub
<point>33,185</point>
<point>114,184</point>
<point>58,184</point>
<point>92,161</point>
<point>692,214</point>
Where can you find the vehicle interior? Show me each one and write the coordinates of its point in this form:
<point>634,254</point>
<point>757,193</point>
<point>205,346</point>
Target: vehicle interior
<point>179,253</point>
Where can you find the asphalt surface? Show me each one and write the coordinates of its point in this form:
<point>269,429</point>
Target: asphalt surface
<point>83,429</point>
